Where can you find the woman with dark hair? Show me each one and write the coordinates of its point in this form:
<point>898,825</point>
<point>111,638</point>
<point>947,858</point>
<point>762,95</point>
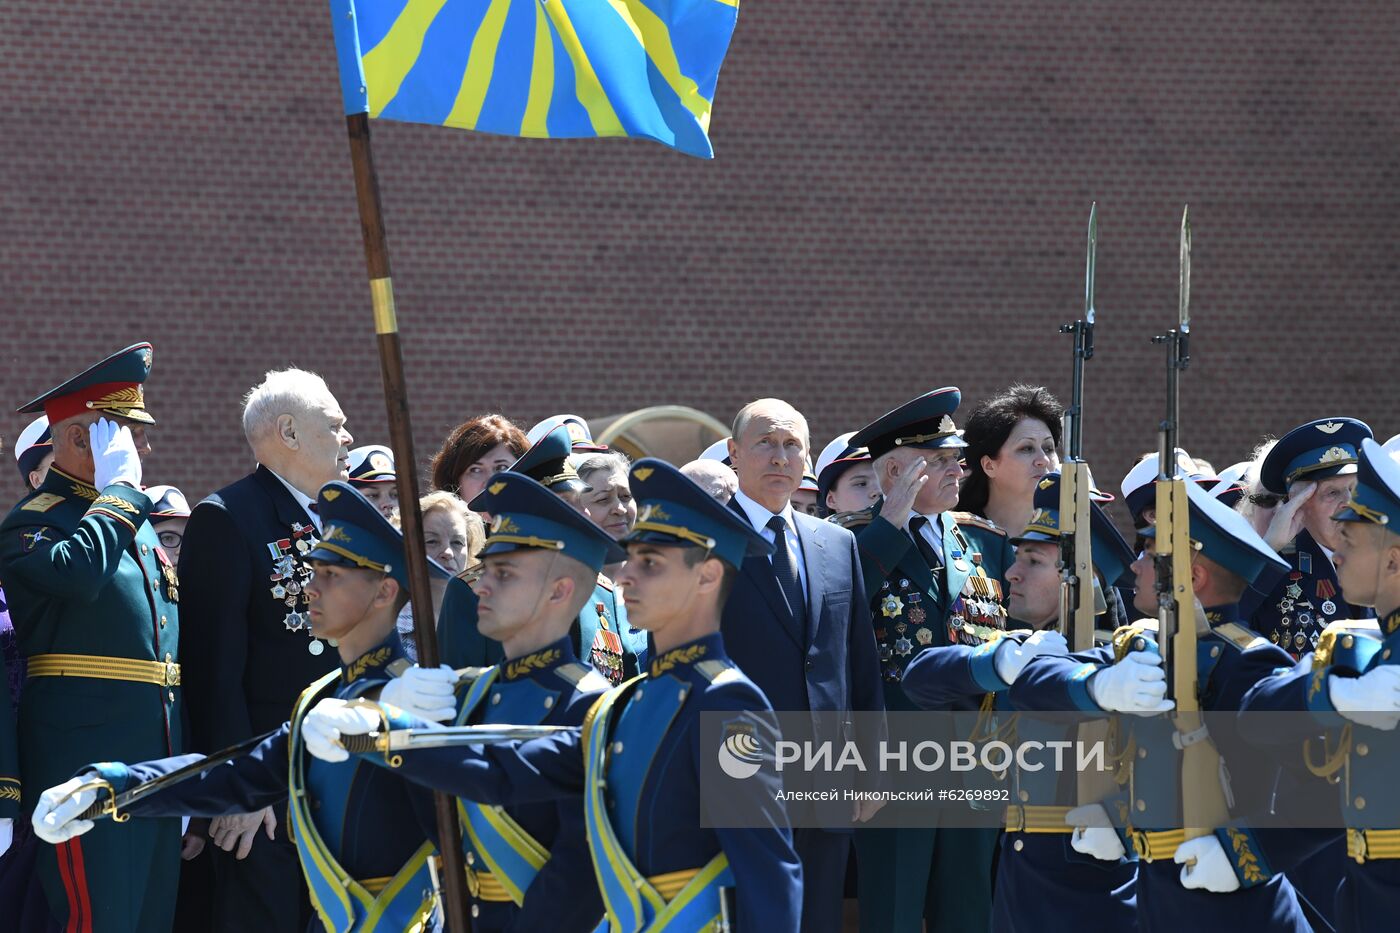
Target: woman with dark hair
<point>1012,440</point>
<point>473,452</point>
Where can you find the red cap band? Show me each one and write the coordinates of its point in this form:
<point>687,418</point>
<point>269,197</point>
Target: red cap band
<point>68,406</point>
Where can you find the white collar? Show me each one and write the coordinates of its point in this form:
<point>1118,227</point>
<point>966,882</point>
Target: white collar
<point>759,516</point>
<point>302,498</point>
<point>935,522</point>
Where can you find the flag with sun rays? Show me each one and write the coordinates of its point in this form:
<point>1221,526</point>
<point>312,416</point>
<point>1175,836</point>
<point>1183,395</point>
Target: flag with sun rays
<point>549,69</point>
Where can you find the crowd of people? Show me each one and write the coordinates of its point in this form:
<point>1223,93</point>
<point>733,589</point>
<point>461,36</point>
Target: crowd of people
<point>910,565</point>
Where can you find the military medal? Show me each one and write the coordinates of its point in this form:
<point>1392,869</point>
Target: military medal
<point>1294,591</point>
<point>904,646</point>
<point>172,583</point>
<point>891,606</point>
<point>1325,592</point>
<point>924,636</point>
<point>289,578</point>
<point>316,647</point>
<point>606,651</point>
<point>1329,608</point>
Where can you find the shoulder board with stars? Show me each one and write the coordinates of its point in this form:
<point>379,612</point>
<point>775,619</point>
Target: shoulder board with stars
<point>582,676</point>
<point>41,503</point>
<point>718,672</point>
<point>853,519</point>
<point>977,521</point>
<point>1241,637</point>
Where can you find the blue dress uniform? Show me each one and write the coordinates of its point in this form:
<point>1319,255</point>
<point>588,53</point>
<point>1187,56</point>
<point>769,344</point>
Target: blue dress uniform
<point>1292,609</point>
<point>1231,658</point>
<point>922,599</point>
<point>460,643</point>
<point>93,602</point>
<point>1362,758</point>
<point>636,761</point>
<point>602,636</point>
<point>529,867</point>
<point>1037,865</point>
<point>363,837</point>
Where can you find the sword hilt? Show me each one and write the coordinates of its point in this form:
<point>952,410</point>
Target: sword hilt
<point>361,744</point>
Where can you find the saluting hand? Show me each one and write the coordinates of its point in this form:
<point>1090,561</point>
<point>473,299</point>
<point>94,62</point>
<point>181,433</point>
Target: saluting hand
<point>114,456</point>
<point>1288,517</point>
<point>899,501</point>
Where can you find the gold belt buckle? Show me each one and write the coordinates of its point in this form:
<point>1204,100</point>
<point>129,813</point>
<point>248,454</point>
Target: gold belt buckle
<point>172,673</point>
<point>1356,845</point>
<point>473,884</point>
<point>1141,845</point>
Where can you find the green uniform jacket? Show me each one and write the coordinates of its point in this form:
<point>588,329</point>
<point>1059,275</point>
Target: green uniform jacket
<point>84,575</point>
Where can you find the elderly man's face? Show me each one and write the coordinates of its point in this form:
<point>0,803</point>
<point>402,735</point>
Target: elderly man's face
<point>770,456</point>
<point>323,443</point>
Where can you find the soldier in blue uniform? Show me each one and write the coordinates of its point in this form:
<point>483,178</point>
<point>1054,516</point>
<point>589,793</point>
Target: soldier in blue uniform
<point>1352,686</point>
<point>602,636</point>
<point>362,834</point>
<point>528,866</point>
<point>928,588</point>
<point>1226,880</point>
<point>636,761</point>
<point>1313,467</point>
<point>93,604</point>
<point>1037,865</point>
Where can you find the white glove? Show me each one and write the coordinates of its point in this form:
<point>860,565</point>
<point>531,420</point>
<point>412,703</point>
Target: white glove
<point>114,456</point>
<point>1373,699</point>
<point>328,721</point>
<point>424,692</point>
<point>1093,833</point>
<point>1012,656</point>
<point>1136,684</point>
<point>1206,866</point>
<point>7,835</point>
<point>55,818</point>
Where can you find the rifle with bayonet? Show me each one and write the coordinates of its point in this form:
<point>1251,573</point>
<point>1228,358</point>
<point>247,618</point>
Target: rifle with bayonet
<point>1076,552</point>
<point>1179,618</point>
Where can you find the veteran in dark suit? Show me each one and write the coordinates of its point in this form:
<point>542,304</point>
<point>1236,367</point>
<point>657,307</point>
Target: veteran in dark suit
<point>797,622</point>
<point>93,602</point>
<point>250,649</point>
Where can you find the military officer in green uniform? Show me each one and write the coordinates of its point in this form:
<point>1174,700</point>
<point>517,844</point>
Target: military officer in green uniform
<point>929,588</point>
<point>93,601</point>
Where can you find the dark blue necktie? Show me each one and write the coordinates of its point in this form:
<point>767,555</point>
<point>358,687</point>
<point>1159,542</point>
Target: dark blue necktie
<point>916,531</point>
<point>788,580</point>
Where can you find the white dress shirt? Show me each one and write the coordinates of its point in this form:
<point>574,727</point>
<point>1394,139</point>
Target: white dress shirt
<point>759,517</point>
<point>932,532</point>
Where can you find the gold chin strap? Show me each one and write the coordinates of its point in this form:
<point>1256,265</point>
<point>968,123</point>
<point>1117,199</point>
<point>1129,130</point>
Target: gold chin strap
<point>677,531</point>
<point>1368,513</point>
<point>355,559</point>
<point>526,541</point>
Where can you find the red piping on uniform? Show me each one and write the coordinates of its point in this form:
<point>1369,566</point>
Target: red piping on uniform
<point>74,875</point>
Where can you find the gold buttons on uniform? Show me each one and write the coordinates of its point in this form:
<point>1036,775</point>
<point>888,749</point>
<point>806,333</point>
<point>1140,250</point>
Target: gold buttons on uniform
<point>1360,803</point>
<point>162,621</point>
<point>1142,753</point>
<point>617,748</point>
<point>476,910</point>
<point>1348,641</point>
<point>637,694</point>
<point>1019,845</point>
<point>1362,749</point>
<point>549,702</point>
<point>1141,805</point>
<point>1215,651</point>
<point>145,549</point>
<point>1024,795</point>
<point>495,698</point>
<point>1385,655</point>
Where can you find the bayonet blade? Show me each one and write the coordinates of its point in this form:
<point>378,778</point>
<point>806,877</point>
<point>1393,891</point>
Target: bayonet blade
<point>1184,301</point>
<point>399,740</point>
<point>1089,262</point>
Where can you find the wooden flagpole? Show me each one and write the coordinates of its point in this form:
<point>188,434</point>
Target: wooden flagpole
<point>386,327</point>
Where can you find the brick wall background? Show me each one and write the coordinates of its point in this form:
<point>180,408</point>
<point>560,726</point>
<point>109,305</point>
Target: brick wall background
<point>898,203</point>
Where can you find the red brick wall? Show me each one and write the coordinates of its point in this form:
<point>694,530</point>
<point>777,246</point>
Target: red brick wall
<point>898,202</point>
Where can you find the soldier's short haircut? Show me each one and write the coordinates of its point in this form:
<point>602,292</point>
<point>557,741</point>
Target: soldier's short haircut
<point>745,415</point>
<point>282,391</point>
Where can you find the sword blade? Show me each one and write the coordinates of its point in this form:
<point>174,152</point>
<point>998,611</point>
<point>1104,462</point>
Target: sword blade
<point>1184,299</point>
<point>398,740</point>
<point>1089,263</point>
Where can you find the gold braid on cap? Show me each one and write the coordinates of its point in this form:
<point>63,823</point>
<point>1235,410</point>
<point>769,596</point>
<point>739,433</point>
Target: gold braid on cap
<point>1368,513</point>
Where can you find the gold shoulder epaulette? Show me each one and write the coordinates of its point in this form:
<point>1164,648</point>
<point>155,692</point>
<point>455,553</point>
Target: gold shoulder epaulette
<point>1335,632</point>
<point>977,521</point>
<point>857,519</point>
<point>1241,637</point>
<point>41,503</point>
<point>1123,636</point>
<point>605,583</point>
<point>718,672</point>
<point>472,573</point>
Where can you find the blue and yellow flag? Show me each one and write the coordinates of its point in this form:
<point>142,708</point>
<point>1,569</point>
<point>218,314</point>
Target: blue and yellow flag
<point>552,69</point>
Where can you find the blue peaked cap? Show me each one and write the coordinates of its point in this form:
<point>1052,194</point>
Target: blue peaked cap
<point>547,462</point>
<point>524,514</point>
<point>1316,450</point>
<point>1377,495</point>
<point>1112,556</point>
<point>1225,536</point>
<point>354,533</point>
<point>677,513</point>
